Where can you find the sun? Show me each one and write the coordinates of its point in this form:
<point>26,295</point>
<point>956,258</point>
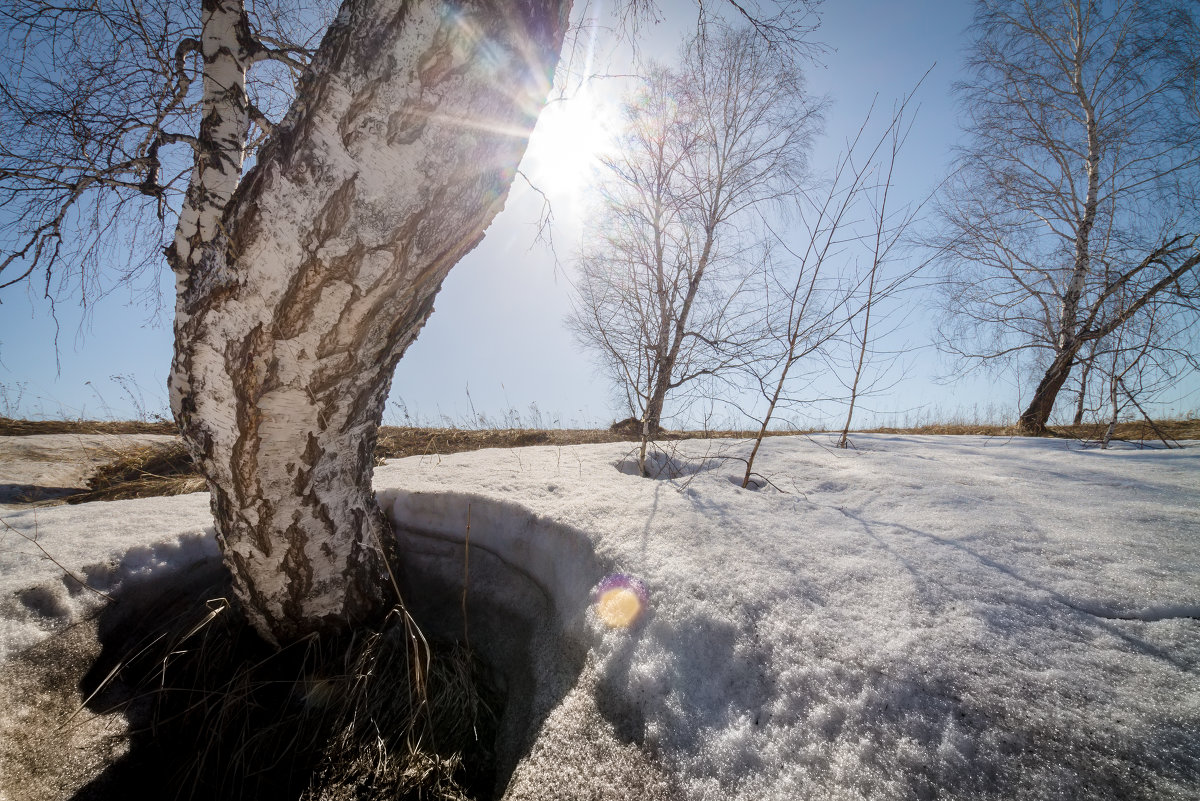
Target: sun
<point>564,149</point>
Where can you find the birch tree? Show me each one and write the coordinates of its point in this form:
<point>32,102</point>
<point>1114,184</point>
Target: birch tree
<point>1078,182</point>
<point>307,250</point>
<point>301,285</point>
<point>822,295</point>
<point>709,148</point>
<point>302,280</point>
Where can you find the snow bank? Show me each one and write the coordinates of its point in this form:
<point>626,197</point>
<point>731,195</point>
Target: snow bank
<point>920,617</point>
<point>47,555</point>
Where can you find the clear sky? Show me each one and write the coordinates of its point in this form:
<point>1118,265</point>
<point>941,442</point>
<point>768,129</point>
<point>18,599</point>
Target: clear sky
<point>496,341</point>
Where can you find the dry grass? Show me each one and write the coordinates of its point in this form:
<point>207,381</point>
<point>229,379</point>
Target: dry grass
<point>944,428</point>
<point>23,428</point>
<point>396,443</point>
<point>402,733</point>
<point>215,712</point>
<point>143,471</point>
<point>166,469</point>
<point>1138,431</point>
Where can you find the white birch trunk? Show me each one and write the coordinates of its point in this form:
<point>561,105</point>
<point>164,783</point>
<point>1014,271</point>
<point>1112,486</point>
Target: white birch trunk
<point>298,299</point>
<point>1067,343</point>
<point>228,51</point>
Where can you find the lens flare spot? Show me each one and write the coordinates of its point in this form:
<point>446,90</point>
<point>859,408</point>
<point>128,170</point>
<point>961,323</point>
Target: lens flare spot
<point>620,600</point>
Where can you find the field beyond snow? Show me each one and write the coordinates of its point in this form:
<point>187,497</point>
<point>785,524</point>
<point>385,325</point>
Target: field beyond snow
<point>921,617</point>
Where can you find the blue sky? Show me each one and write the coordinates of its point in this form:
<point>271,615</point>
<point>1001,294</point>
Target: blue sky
<point>496,341</point>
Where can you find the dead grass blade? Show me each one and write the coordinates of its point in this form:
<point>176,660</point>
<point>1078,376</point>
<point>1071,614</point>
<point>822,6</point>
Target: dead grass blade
<point>23,428</point>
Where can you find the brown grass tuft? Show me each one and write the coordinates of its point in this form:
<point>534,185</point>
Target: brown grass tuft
<point>144,471</point>
<point>423,740</point>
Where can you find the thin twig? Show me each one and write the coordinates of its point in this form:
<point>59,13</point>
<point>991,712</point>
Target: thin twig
<point>57,563</point>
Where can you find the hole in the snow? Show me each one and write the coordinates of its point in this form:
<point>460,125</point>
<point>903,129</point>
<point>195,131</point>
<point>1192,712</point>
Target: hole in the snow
<point>213,712</point>
<point>663,465</point>
<point>753,484</point>
<point>216,713</point>
<point>526,590</point>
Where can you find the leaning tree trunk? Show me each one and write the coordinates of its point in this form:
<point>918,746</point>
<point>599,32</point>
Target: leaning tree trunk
<point>1033,420</point>
<point>652,419</point>
<point>294,309</point>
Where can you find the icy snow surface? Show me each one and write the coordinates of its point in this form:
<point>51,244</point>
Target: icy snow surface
<point>922,617</point>
<point>105,545</point>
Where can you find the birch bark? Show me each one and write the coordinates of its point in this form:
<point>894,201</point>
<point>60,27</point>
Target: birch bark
<point>1067,343</point>
<point>299,290</point>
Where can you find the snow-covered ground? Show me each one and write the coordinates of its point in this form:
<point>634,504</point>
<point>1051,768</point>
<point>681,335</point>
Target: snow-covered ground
<point>922,617</point>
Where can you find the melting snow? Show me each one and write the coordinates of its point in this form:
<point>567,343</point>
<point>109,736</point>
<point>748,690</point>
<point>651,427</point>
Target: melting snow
<point>920,617</point>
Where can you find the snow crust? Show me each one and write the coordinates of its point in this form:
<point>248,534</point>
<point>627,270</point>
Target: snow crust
<point>106,545</point>
<point>922,617</point>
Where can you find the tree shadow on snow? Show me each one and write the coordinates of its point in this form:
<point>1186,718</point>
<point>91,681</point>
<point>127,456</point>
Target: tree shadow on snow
<point>1007,724</point>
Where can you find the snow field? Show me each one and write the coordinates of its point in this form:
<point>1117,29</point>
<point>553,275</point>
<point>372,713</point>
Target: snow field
<point>949,617</point>
<point>921,617</point>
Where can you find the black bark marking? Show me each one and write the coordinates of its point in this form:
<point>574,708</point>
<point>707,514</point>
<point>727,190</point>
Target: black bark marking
<point>356,123</point>
<point>407,126</point>
<point>244,364</point>
<point>332,217</point>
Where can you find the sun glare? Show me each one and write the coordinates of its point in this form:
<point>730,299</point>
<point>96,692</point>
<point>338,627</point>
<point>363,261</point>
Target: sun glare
<point>571,134</point>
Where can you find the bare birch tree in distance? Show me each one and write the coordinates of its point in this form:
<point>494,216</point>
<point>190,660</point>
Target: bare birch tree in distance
<point>1078,183</point>
<point>820,296</point>
<point>303,273</point>
<point>708,148</point>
